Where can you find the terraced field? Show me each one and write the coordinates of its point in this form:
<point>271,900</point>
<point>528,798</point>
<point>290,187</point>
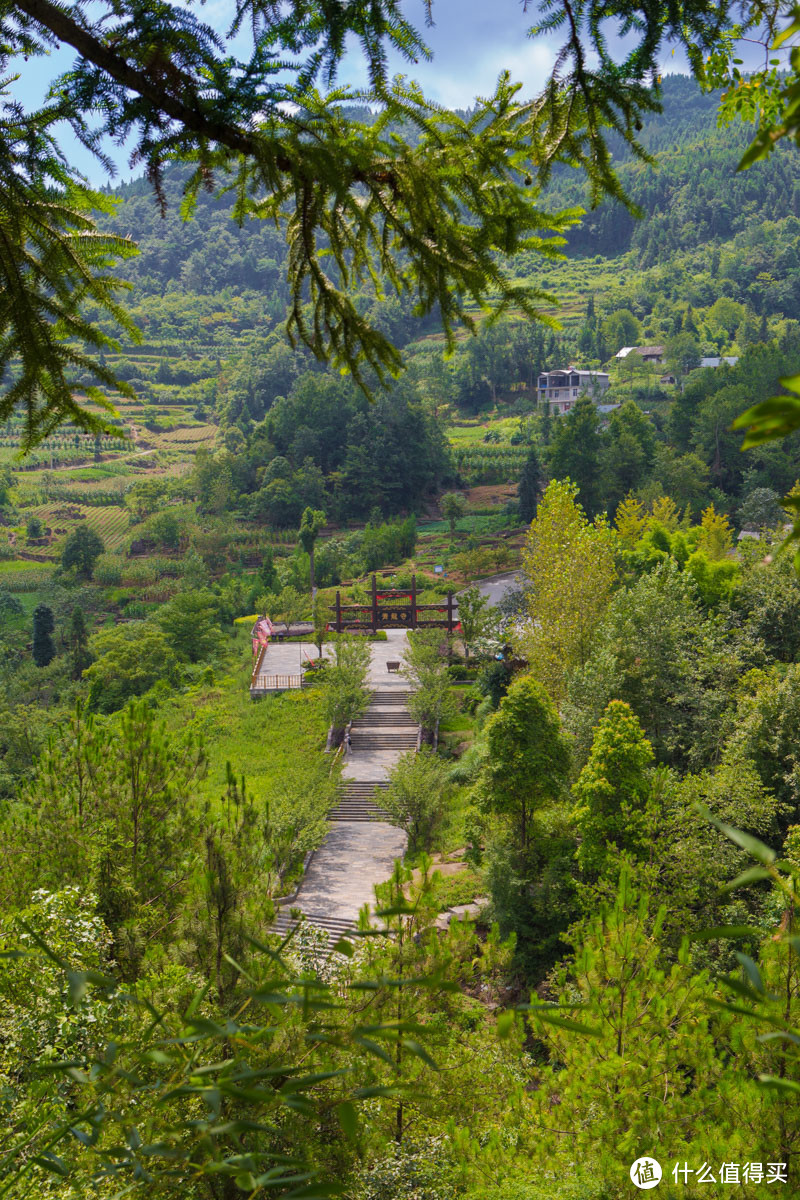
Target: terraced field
<point>199,435</point>
<point>111,523</point>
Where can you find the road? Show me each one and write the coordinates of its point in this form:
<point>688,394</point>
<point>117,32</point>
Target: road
<point>496,588</point>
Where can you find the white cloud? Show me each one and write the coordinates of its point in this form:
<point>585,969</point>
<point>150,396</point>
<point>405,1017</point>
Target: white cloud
<point>457,83</point>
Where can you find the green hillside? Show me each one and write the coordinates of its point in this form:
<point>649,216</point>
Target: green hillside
<point>210,296</point>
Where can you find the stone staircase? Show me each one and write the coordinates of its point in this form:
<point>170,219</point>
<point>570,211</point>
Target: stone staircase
<point>386,725</point>
<point>357,801</point>
<point>362,841</point>
<point>334,927</point>
<point>390,698</point>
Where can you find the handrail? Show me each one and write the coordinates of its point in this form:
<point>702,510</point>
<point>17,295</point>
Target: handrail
<point>257,667</point>
<point>270,683</point>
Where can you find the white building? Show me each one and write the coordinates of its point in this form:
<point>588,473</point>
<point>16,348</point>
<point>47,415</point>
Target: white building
<point>561,389</point>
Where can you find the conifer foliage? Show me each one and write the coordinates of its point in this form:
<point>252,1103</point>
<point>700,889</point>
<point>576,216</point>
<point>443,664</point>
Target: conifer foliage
<point>43,625</point>
<point>54,264</point>
<point>359,205</point>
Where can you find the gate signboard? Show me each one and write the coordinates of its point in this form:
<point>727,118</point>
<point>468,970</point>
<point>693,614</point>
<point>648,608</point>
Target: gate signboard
<point>394,609</point>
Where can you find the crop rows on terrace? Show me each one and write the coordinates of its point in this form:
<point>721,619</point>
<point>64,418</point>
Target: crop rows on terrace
<point>191,437</point>
<point>19,576</point>
<point>110,522</point>
<point>490,464</point>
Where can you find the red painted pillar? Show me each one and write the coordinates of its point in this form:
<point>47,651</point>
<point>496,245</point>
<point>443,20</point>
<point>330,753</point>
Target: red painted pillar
<point>413,602</point>
<point>374,605</point>
<point>450,621</point>
<point>338,612</point>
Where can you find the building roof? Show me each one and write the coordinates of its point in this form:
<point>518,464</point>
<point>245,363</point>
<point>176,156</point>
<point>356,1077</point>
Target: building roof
<point>650,351</point>
<point>606,408</point>
<point>730,359</point>
<point>575,371</point>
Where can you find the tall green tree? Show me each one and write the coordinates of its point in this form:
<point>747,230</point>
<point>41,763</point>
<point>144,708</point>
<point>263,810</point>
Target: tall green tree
<point>267,574</point>
<point>346,692</point>
<point>453,507</point>
<point>320,615</point>
<point>190,623</point>
<point>128,660</point>
<point>570,564</point>
<point>575,453</point>
<point>81,551</point>
<point>236,892</point>
<point>527,756</point>
<point>475,617</point>
<point>78,642</point>
<point>530,485</point>
<point>628,453</point>
<point>311,524</point>
<point>620,329</point>
<point>425,667</point>
<point>117,799</point>
<point>417,797</point>
<point>611,792</point>
<point>648,652</point>
<point>44,650</point>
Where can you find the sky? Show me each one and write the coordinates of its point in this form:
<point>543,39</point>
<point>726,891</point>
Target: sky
<point>472,42</point>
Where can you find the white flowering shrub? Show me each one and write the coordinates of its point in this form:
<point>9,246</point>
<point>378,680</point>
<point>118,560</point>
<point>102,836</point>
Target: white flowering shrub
<point>421,1172</point>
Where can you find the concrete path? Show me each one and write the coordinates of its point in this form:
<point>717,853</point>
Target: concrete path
<point>357,854</point>
<point>353,858</point>
<point>381,653</point>
<point>375,765</point>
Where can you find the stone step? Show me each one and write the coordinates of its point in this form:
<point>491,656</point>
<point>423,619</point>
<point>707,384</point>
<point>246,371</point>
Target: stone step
<point>357,802</point>
<point>398,720</point>
<point>323,920</point>
<point>385,720</point>
<point>365,812</point>
<point>386,730</point>
<point>335,927</point>
<point>382,741</point>
<point>404,731</point>
<point>386,709</point>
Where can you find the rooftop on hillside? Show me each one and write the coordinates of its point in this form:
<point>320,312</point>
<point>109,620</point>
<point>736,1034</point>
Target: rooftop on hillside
<point>647,353</point>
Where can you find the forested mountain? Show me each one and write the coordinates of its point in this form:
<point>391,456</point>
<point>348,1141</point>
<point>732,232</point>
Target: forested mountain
<point>694,195</point>
<point>206,289</point>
